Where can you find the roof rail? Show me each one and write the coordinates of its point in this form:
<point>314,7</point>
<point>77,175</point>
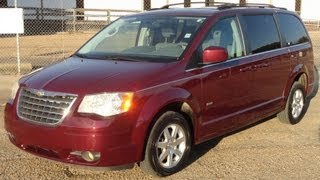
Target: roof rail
<point>258,5</point>
<point>198,2</point>
<point>224,5</point>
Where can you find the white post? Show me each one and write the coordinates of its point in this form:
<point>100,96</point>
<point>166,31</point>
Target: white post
<point>18,44</point>
<point>74,14</point>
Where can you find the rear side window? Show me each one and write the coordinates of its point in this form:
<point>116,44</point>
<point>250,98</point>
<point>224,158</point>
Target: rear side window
<point>292,29</point>
<point>262,33</point>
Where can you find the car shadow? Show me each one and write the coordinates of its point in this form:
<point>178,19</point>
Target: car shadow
<point>200,150</point>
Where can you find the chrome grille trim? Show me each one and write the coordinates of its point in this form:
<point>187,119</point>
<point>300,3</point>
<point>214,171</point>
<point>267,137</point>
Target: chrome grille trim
<point>44,107</point>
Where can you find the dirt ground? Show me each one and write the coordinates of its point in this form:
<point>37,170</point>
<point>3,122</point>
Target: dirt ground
<point>267,150</point>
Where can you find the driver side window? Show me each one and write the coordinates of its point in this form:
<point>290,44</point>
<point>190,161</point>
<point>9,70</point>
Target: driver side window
<point>226,34</point>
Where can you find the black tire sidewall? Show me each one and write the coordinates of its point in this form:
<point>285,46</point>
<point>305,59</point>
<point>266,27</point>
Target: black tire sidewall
<point>164,121</point>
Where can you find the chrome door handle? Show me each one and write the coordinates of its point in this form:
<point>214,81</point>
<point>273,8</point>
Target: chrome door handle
<point>224,75</point>
<point>248,68</point>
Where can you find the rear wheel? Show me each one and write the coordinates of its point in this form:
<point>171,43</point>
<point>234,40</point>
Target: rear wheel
<point>168,145</point>
<point>296,105</point>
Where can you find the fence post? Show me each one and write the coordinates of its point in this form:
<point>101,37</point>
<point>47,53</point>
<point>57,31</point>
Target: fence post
<point>108,17</point>
<point>74,14</point>
<point>18,44</point>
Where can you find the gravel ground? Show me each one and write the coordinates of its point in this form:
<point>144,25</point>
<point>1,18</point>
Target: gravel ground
<point>266,150</point>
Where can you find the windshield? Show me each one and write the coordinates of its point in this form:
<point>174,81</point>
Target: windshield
<point>157,39</point>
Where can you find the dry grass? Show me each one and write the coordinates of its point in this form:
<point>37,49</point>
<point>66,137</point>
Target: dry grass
<point>41,50</point>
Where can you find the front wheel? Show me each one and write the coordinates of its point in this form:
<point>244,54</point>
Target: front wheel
<point>296,105</point>
<point>168,145</point>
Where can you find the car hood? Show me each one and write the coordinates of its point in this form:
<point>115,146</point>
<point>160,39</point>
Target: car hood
<point>89,76</point>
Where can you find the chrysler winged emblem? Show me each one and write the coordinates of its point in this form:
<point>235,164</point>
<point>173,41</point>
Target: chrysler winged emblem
<point>40,93</point>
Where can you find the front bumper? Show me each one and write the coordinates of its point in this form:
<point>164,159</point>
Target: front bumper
<point>112,138</point>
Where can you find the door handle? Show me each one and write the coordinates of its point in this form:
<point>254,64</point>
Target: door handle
<point>266,64</point>
<point>248,68</point>
<point>222,76</point>
<point>263,65</point>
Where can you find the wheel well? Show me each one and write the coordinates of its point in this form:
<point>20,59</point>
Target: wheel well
<point>302,78</point>
<point>181,107</point>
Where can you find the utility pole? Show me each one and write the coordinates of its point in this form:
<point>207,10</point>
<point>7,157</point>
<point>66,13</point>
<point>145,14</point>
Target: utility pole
<point>209,2</point>
<point>3,4</point>
<point>187,3</point>
<point>41,9</point>
<point>298,6</point>
<point>242,2</point>
<point>80,13</point>
<point>147,4</point>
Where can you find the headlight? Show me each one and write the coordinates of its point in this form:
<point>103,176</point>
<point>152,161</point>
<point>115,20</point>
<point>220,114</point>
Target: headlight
<point>106,104</point>
<point>14,90</point>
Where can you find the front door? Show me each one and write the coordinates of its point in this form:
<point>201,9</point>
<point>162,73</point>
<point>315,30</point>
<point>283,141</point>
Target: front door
<point>226,86</point>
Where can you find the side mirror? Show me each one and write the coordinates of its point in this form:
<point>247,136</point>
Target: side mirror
<point>214,54</point>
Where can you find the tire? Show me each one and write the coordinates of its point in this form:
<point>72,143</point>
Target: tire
<point>167,150</point>
<point>296,105</point>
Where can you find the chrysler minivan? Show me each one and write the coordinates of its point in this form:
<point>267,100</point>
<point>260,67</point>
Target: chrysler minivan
<point>149,86</point>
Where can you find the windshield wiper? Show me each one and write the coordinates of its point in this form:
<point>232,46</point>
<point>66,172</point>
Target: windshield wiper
<point>81,55</point>
<point>122,58</point>
<point>109,57</point>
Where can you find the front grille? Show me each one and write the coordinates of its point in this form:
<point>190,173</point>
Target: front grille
<point>44,107</point>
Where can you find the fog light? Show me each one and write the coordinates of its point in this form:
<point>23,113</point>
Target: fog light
<point>87,155</point>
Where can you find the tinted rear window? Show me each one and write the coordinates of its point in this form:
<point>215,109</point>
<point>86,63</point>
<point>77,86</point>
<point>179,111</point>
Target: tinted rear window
<point>262,33</point>
<point>292,29</point>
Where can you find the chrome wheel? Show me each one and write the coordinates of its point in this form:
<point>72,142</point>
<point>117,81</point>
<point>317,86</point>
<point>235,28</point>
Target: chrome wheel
<point>171,146</point>
<point>297,103</point>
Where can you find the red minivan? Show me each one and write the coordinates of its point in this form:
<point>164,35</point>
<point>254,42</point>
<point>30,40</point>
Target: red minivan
<point>149,86</point>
